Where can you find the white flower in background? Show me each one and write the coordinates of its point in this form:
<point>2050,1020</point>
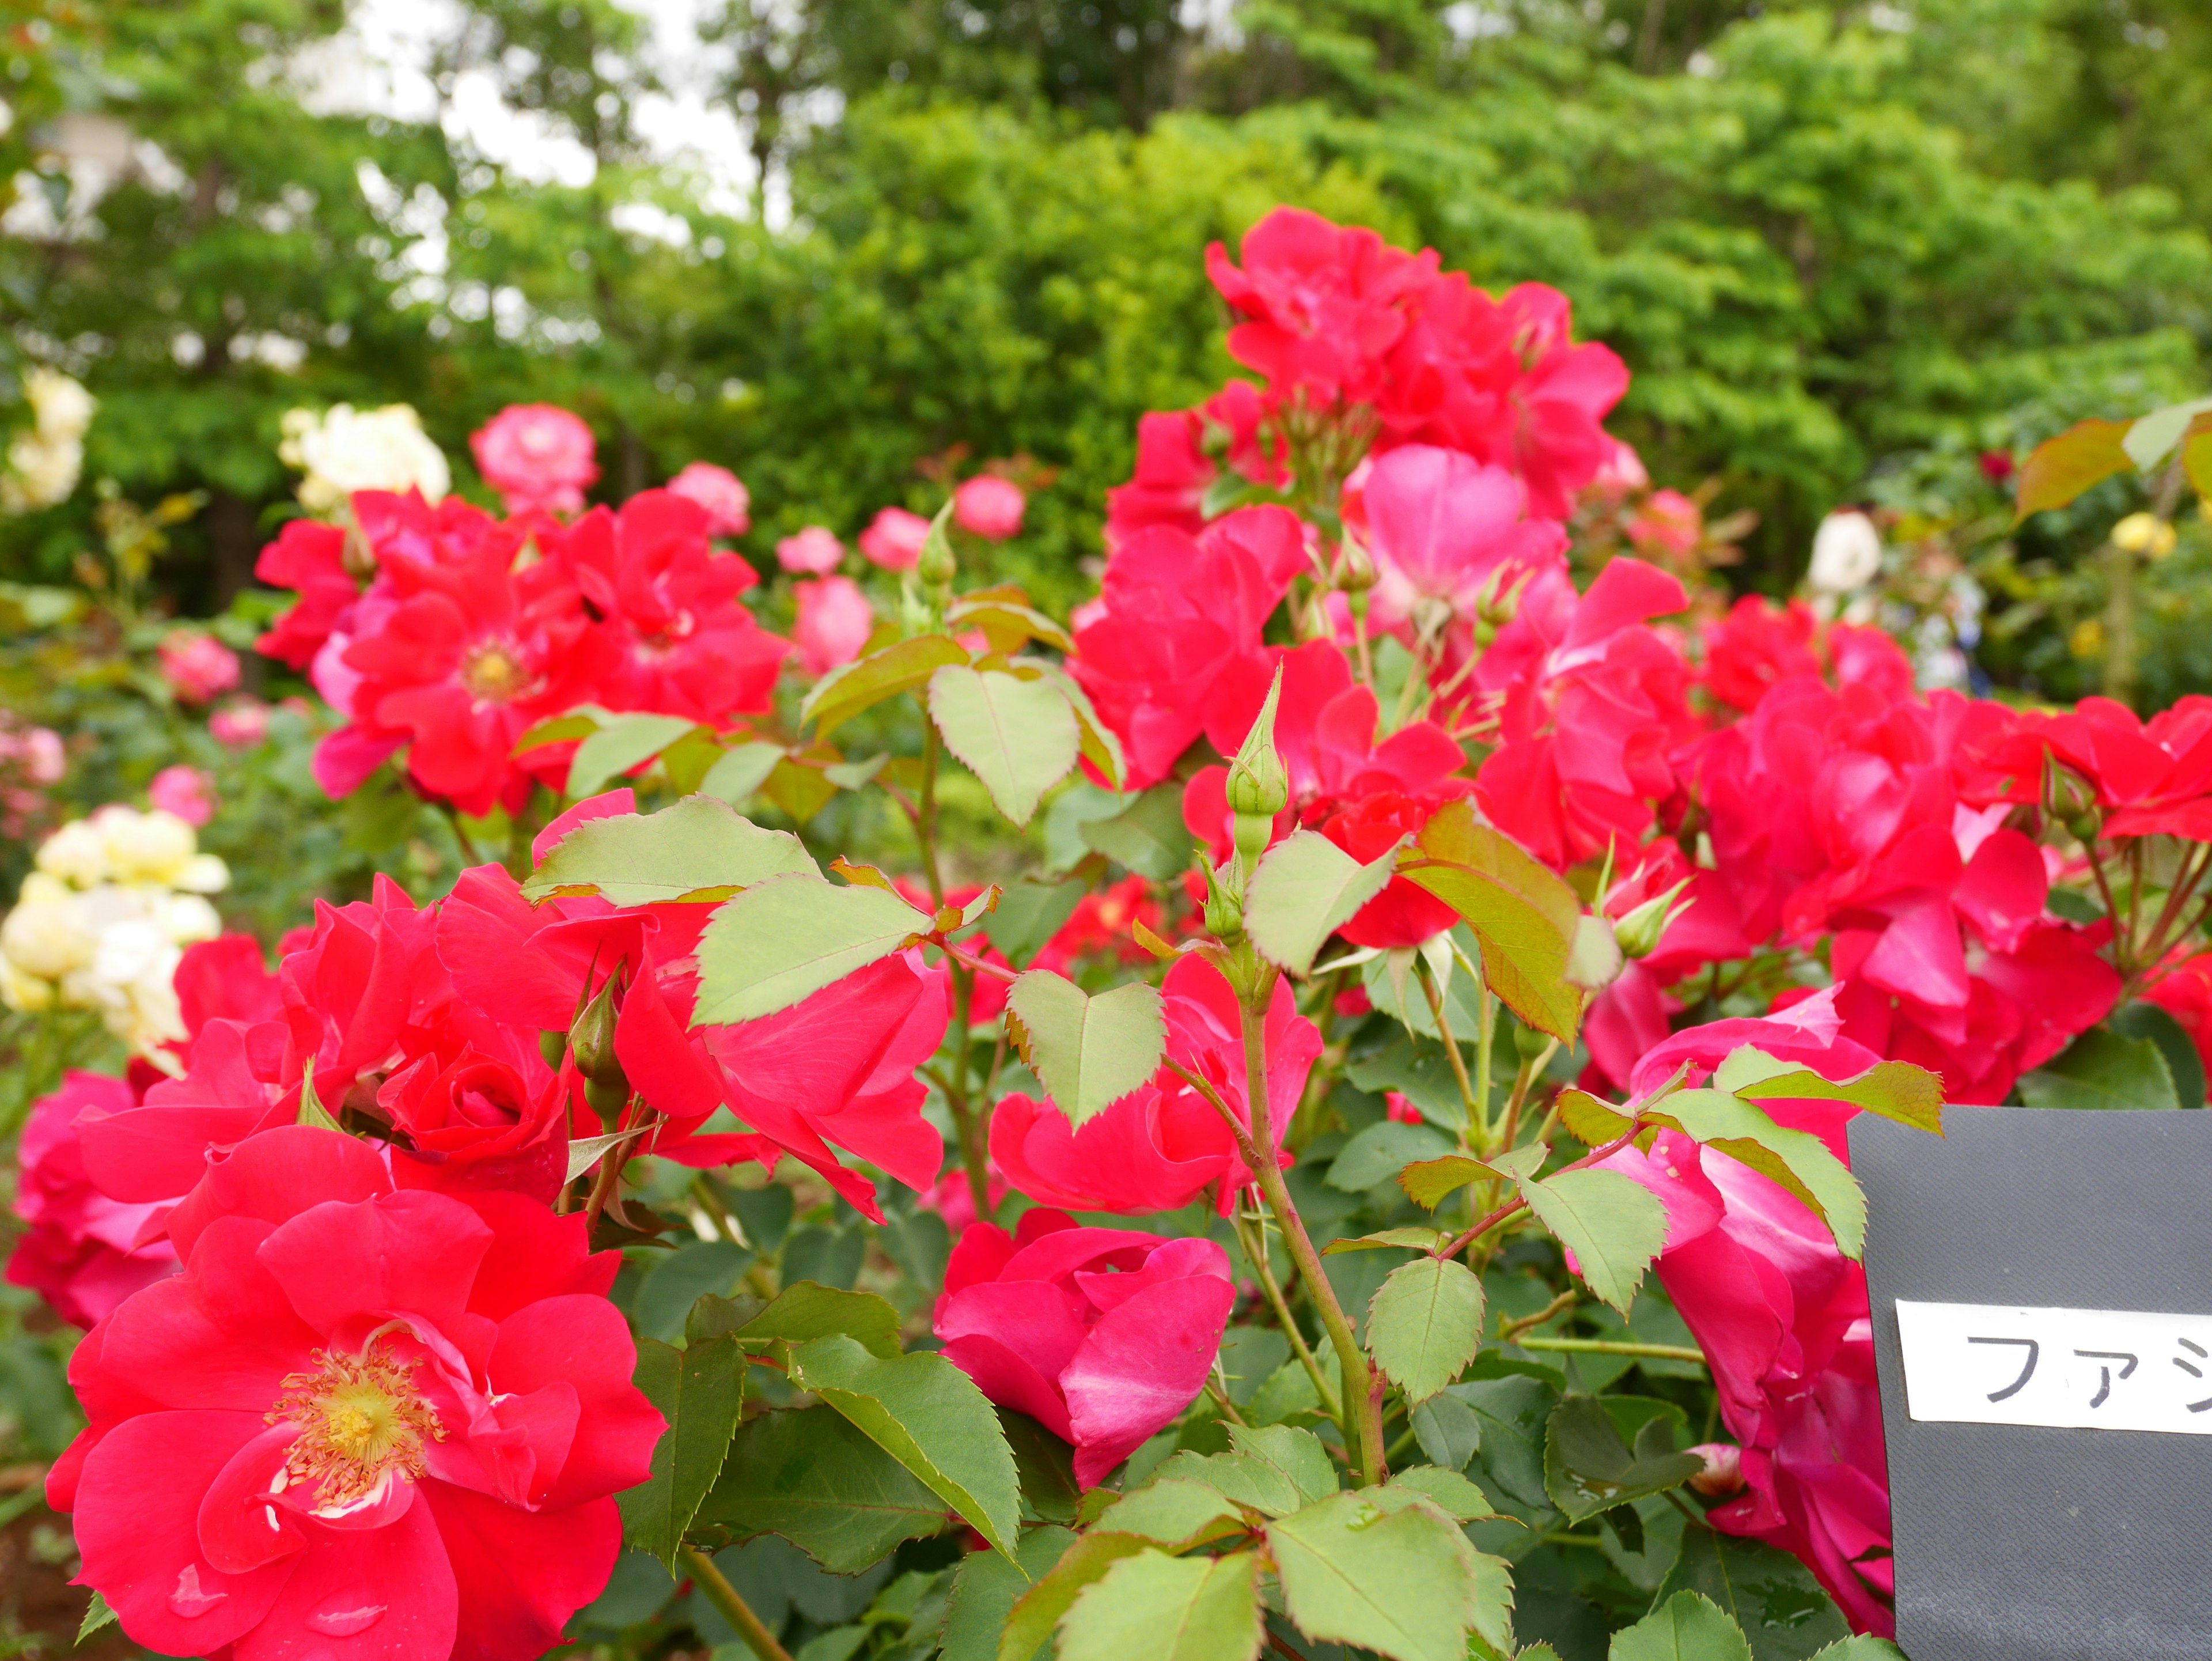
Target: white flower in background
<point>345,449</point>
<point>1846,553</point>
<point>103,921</point>
<point>44,461</point>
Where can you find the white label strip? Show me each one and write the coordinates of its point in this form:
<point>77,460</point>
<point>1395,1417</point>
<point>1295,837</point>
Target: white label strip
<point>2069,1369</point>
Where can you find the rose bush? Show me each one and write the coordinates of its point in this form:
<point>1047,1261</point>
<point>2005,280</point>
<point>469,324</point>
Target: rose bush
<point>1278,1198</point>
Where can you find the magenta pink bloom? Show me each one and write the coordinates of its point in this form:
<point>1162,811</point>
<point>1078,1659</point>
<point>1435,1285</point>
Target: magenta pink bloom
<point>309,558</point>
<point>198,668</point>
<point>1441,524</point>
<point>720,492</point>
<point>834,622</point>
<point>1781,1315</point>
<point>990,507</point>
<point>893,539</point>
<point>1103,1335</point>
<point>537,455</point>
<point>815,550</point>
<point>362,1423</point>
<point>240,726</point>
<point>1162,1145</point>
<point>79,1251</point>
<point>185,791</point>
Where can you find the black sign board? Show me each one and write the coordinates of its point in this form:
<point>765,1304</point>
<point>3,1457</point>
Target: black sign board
<point>2053,1499</point>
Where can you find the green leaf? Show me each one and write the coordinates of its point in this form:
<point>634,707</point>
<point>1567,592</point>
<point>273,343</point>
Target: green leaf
<point>1173,1513</point>
<point>1018,736</point>
<point>1101,745</point>
<point>1157,1607</point>
<point>1274,1470</point>
<point>1425,1324</point>
<point>1896,1090</point>
<point>2142,1019</point>
<point>1589,1469</point>
<point>584,1152</point>
<point>1592,1122</point>
<point>1402,1239</point>
<point>1148,837</point>
<point>929,1415</point>
<point>2151,438</point>
<point>1447,1490</point>
<point>312,1111</point>
<point>2101,1069</point>
<point>615,749</point>
<point>1428,1183</point>
<point>579,722</point>
<point>1772,1596</point>
<point>1380,1152</point>
<point>1039,1609</point>
<point>1524,916</point>
<point>701,1392</point>
<point>903,666</point>
<point>1030,914</point>
<point>1403,1584</point>
<point>985,1589</point>
<point>2060,469</point>
<point>1513,1412</point>
<point>785,939</point>
<point>1448,1431</point>
<point>697,848</point>
<point>1862,1646</point>
<point>97,1614</point>
<point>1044,1465</point>
<point>740,772</point>
<point>813,1478</point>
<point>1088,1050</point>
<point>1306,889</point>
<point>805,1311</point>
<point>1612,1223</point>
<point>1687,1626</point>
<point>1797,1160</point>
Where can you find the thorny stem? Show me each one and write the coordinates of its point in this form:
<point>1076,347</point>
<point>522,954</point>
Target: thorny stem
<point>1255,1253</point>
<point>976,964</point>
<point>732,1609</point>
<point>1366,1431</point>
<point>1482,1226</point>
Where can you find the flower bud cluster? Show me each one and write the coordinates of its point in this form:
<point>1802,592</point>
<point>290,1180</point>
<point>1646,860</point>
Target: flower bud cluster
<point>103,920</point>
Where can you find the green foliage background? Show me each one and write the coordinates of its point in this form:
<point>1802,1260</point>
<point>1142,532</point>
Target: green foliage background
<point>1822,235</point>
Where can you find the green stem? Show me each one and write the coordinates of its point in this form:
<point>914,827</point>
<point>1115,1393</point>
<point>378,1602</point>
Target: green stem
<point>1477,1107</point>
<point>1359,1396</point>
<point>1616,1347</point>
<point>732,1609</point>
<point>1482,1043</point>
<point>1255,1253</point>
<point>925,828</point>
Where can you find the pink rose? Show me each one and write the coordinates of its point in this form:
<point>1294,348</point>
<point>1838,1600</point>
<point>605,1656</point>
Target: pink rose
<point>185,791</point>
<point>1101,1335</point>
<point>834,622</point>
<point>536,455</point>
<point>990,507</point>
<point>893,540</point>
<point>814,550</point>
<point>239,726</point>
<point>720,492</point>
<point>198,668</point>
<point>78,1250</point>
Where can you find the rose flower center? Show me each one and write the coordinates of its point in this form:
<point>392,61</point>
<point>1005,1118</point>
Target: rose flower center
<point>361,1421</point>
<point>490,671</point>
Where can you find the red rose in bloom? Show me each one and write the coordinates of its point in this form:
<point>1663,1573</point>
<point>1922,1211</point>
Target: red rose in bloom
<point>1179,452</point>
<point>1162,1146</point>
<point>682,645</point>
<point>482,1112</point>
<point>308,556</point>
<point>2154,777</point>
<point>1757,645</point>
<point>360,1423</point>
<point>1441,524</point>
<point>1403,914</point>
<point>537,456</point>
<point>1103,1335</point>
<point>1178,611</point>
<point>1590,703</point>
<point>472,652</point>
<point>80,1251</point>
<point>1782,1316</point>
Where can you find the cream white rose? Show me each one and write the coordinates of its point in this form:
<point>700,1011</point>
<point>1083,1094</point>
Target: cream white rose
<point>48,940</point>
<point>76,853</point>
<point>152,847</point>
<point>345,450</point>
